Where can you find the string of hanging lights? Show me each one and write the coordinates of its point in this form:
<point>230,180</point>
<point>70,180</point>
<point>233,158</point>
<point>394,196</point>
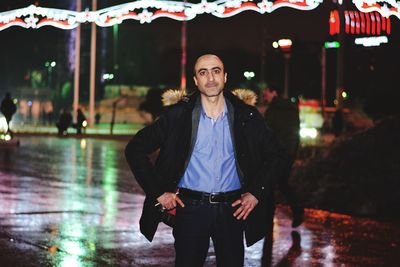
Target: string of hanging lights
<point>385,7</point>
<point>144,11</point>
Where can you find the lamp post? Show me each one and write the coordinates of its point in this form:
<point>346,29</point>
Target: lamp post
<point>50,65</point>
<point>77,63</point>
<point>285,45</point>
<point>327,45</point>
<point>92,84</point>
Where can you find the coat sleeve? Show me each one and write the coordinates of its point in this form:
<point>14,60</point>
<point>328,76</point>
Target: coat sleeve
<point>275,162</point>
<point>137,151</point>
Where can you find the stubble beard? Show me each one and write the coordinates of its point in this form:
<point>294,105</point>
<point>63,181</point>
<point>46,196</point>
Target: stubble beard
<point>211,94</point>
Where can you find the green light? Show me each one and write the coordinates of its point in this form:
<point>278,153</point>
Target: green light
<point>334,44</point>
<point>344,94</point>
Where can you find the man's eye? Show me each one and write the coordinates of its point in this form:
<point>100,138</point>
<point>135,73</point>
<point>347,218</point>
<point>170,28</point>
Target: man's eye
<point>217,71</point>
<point>202,73</point>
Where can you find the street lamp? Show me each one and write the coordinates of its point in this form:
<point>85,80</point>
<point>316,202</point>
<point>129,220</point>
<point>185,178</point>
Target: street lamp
<point>327,45</point>
<point>50,65</point>
<point>285,45</point>
<point>249,75</point>
<point>108,76</point>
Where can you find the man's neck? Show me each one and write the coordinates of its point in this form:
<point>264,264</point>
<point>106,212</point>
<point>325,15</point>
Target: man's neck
<point>213,106</point>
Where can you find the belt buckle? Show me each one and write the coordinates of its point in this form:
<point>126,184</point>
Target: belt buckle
<point>210,198</point>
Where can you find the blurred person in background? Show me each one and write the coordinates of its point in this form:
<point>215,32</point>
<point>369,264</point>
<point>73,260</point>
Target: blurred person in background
<point>282,117</point>
<point>64,122</point>
<point>338,122</point>
<point>80,121</point>
<point>8,108</point>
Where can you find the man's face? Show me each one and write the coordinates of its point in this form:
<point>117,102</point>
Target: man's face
<point>269,95</point>
<point>210,76</point>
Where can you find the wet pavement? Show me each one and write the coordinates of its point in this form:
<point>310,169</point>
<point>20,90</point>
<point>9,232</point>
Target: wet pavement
<point>73,202</point>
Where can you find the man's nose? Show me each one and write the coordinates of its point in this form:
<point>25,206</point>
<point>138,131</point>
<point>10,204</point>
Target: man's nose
<point>210,76</point>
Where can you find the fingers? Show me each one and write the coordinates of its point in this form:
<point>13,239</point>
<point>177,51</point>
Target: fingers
<point>169,200</point>
<point>179,201</point>
<point>248,203</point>
<point>243,212</point>
<point>166,200</point>
<point>237,202</point>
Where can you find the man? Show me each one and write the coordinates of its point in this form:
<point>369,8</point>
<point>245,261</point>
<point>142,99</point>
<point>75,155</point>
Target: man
<point>64,122</point>
<point>216,165</point>
<point>338,122</point>
<point>80,121</point>
<point>283,118</point>
<point>8,108</point>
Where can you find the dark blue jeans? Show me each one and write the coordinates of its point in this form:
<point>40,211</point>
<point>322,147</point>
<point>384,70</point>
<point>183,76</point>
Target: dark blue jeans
<point>196,223</point>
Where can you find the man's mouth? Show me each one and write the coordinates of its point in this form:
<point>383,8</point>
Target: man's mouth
<point>211,84</point>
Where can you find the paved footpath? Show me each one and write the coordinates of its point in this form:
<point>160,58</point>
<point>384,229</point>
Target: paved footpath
<point>73,202</point>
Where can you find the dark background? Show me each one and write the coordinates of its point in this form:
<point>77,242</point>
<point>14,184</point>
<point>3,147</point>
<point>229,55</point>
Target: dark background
<point>149,54</point>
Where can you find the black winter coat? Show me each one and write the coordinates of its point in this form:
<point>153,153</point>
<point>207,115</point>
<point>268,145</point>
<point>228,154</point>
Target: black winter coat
<point>259,158</point>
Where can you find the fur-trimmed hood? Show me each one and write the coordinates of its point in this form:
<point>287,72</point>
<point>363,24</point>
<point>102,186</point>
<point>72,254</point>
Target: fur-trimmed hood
<point>173,96</point>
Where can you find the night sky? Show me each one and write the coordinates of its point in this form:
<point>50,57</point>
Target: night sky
<point>149,54</point>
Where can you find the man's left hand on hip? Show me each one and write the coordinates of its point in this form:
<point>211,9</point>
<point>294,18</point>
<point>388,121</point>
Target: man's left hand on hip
<point>247,203</point>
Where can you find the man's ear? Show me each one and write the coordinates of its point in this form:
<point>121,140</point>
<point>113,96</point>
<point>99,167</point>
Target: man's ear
<point>195,80</point>
<point>226,77</point>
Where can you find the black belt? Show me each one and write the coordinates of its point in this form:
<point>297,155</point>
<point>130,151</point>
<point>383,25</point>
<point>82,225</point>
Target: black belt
<point>223,197</point>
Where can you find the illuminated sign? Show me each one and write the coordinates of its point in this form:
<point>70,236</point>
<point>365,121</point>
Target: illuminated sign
<point>371,41</point>
<point>359,23</point>
<point>334,44</point>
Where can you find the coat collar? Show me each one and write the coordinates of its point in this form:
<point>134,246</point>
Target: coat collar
<point>171,97</point>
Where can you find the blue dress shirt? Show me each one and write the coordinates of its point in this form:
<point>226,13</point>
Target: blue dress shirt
<point>212,167</point>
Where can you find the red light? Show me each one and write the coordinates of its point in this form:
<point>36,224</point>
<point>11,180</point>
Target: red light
<point>378,23</point>
<point>388,26</point>
<point>373,24</point>
<point>352,24</point>
<point>357,16</point>
<point>368,23</point>
<point>362,22</point>
<point>347,21</point>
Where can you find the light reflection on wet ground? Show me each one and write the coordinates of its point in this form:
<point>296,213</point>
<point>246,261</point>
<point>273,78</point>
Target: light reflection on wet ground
<point>73,202</point>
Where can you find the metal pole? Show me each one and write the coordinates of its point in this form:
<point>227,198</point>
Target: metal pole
<point>340,59</point>
<point>92,69</point>
<point>50,72</point>
<point>286,88</point>
<point>77,63</point>
<point>323,80</point>
<point>115,49</point>
<point>263,56</point>
<point>183,57</point>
